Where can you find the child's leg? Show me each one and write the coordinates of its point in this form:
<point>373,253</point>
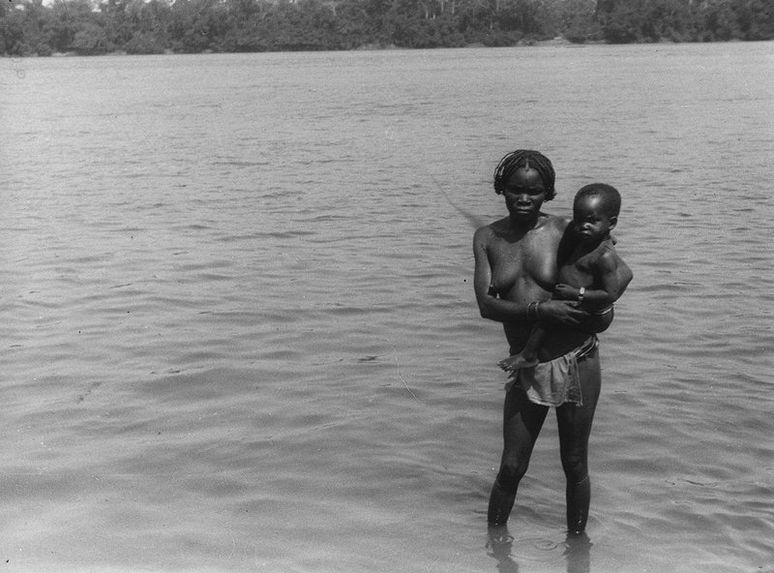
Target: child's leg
<point>597,323</point>
<point>528,355</point>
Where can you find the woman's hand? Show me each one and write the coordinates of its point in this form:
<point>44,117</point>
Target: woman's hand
<point>562,312</point>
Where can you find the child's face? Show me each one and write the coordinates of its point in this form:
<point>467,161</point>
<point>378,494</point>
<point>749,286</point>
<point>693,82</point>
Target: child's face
<point>590,219</point>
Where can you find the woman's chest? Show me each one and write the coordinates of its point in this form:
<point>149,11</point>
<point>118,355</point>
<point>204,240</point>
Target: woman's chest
<point>529,261</point>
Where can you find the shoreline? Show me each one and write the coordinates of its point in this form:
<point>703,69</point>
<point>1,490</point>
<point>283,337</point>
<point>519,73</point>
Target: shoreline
<point>553,42</point>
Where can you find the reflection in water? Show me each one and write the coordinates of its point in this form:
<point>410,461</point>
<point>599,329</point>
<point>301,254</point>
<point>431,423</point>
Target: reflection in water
<point>499,546</point>
<point>577,551</point>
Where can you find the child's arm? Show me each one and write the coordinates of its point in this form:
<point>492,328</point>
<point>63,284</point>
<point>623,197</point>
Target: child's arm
<point>612,274</point>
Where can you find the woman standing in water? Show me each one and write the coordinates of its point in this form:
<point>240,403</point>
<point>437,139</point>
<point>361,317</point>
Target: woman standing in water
<point>516,270</point>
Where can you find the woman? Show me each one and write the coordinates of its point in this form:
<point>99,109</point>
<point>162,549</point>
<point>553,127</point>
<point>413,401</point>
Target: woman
<point>516,268</point>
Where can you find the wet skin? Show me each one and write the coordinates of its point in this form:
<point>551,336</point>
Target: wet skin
<point>517,257</point>
<point>516,264</point>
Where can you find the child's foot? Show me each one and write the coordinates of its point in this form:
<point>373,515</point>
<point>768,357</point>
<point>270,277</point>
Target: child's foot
<point>517,362</point>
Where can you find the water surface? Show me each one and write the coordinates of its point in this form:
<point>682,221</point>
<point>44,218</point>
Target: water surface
<point>240,334</point>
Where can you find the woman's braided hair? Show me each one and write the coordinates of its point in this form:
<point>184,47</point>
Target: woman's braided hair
<point>529,159</point>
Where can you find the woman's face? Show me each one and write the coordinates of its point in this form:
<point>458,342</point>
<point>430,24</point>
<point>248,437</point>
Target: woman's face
<point>524,194</point>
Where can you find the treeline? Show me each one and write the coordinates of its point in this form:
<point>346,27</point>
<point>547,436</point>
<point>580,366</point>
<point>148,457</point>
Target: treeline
<point>28,27</point>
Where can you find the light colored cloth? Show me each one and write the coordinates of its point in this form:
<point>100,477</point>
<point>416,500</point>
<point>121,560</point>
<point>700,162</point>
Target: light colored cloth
<point>555,382</point>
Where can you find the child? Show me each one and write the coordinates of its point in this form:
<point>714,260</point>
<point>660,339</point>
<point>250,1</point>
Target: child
<point>588,265</point>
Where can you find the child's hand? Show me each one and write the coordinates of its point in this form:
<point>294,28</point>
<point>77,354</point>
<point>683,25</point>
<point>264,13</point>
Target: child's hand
<point>566,292</point>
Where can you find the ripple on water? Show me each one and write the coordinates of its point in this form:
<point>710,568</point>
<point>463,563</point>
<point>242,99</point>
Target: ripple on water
<point>265,353</point>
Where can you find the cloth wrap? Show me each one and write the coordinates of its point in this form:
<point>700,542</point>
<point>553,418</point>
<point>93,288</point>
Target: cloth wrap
<point>557,381</point>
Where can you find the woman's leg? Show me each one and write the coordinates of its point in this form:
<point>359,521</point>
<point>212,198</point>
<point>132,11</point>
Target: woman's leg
<point>522,421</point>
<point>574,423</point>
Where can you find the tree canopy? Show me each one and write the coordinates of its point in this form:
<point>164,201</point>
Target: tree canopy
<point>28,27</point>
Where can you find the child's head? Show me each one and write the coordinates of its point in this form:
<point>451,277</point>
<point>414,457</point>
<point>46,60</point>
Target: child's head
<point>595,210</point>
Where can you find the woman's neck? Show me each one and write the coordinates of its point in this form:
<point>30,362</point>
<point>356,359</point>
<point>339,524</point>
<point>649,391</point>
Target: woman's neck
<point>522,225</point>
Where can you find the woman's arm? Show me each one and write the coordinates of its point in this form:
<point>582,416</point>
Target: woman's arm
<point>489,305</point>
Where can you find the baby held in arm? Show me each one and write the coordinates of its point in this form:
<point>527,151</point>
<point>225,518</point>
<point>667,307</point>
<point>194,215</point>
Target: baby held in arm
<point>588,270</point>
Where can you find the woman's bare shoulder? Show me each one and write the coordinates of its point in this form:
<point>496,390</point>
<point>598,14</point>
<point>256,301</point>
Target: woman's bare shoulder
<point>492,229</point>
<point>558,221</point>
<point>555,224</point>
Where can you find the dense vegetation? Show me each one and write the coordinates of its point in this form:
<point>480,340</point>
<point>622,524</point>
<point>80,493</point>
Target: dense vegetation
<point>28,27</point>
